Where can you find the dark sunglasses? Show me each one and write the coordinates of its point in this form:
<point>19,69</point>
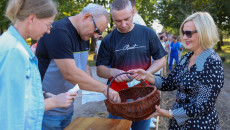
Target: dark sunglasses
<point>188,33</point>
<point>96,29</point>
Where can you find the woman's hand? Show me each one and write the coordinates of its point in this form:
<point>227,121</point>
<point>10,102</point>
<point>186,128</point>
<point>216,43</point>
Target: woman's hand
<point>64,99</point>
<point>159,112</point>
<point>142,74</point>
<point>60,100</point>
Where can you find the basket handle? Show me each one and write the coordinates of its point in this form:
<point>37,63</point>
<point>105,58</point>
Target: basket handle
<point>142,82</point>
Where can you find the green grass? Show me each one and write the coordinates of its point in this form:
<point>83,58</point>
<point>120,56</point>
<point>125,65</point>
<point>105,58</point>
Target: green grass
<point>225,52</point>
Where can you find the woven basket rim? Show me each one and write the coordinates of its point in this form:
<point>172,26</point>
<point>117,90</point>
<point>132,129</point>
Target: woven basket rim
<point>154,90</point>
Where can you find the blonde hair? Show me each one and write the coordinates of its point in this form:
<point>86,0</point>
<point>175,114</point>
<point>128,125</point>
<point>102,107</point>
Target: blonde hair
<point>206,29</point>
<point>21,9</point>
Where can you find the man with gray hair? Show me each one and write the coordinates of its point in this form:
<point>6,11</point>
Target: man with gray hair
<point>62,57</point>
<point>129,46</point>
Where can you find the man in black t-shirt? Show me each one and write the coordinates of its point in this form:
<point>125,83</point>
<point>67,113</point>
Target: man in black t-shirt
<point>62,57</point>
<point>129,46</point>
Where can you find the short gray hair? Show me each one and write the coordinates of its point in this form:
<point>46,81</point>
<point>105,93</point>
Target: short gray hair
<point>120,5</point>
<point>95,10</point>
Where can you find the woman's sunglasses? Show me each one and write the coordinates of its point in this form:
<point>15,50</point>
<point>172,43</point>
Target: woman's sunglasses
<point>188,33</point>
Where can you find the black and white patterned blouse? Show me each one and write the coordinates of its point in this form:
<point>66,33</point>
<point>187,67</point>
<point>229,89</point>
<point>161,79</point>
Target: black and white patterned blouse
<point>197,91</point>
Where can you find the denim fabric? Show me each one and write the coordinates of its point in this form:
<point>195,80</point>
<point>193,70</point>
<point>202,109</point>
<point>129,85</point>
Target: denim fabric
<point>21,98</point>
<point>136,125</point>
<point>51,122</point>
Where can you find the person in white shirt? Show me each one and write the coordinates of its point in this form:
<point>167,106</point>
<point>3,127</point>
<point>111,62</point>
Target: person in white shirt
<point>137,19</point>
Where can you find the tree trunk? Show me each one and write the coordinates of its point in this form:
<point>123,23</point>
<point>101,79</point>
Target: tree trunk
<point>221,39</point>
<point>219,46</point>
<point>92,44</point>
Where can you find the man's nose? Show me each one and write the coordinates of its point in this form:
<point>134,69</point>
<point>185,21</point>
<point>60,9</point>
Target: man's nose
<point>123,23</point>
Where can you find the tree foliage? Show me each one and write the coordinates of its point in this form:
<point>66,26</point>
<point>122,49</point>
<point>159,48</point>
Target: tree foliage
<point>171,13</point>
<point>70,7</point>
<point>4,22</point>
<point>147,10</point>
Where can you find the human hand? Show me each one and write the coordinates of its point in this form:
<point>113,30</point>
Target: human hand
<point>139,74</point>
<point>64,99</point>
<point>120,78</point>
<point>159,112</point>
<point>113,95</point>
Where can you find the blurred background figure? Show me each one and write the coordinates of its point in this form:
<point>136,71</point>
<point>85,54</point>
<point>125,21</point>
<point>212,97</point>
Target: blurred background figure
<point>181,49</point>
<point>175,46</point>
<point>98,43</point>
<point>137,19</point>
<point>33,48</point>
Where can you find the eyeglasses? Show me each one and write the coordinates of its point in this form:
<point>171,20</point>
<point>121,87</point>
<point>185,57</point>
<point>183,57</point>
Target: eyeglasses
<point>96,29</point>
<point>49,26</point>
<point>188,33</point>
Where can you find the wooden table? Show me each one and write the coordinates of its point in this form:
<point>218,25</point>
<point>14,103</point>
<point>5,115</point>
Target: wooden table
<point>92,123</point>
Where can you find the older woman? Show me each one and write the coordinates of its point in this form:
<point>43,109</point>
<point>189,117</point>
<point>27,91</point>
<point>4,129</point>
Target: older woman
<point>21,96</point>
<point>198,78</point>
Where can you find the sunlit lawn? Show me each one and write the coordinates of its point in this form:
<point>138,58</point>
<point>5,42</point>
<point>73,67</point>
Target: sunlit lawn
<point>90,59</point>
<point>225,52</point>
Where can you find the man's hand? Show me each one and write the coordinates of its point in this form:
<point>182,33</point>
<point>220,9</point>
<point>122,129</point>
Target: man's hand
<point>113,95</point>
<point>121,78</point>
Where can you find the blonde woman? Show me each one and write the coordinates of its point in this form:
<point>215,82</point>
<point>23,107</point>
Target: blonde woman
<point>21,97</point>
<point>198,78</point>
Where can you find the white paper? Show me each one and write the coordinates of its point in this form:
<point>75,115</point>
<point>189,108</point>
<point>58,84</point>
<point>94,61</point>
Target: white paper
<point>89,96</point>
<point>74,89</point>
<point>133,83</point>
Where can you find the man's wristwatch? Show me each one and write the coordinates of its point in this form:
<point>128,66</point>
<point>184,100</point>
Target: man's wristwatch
<point>170,114</point>
<point>47,94</point>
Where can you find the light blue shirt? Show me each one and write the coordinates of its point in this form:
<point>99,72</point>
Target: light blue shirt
<point>21,98</point>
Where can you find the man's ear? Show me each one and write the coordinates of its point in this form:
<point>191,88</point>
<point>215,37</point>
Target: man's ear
<point>31,19</point>
<point>86,16</point>
<point>133,11</point>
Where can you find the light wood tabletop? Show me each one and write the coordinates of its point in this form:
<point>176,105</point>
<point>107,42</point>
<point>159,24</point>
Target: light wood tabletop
<point>92,123</point>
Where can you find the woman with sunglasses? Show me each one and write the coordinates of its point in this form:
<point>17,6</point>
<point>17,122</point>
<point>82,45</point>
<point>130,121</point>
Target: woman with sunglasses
<point>198,78</point>
<point>21,96</point>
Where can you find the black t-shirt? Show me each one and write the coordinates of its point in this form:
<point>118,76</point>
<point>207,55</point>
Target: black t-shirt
<point>130,50</point>
<point>62,42</point>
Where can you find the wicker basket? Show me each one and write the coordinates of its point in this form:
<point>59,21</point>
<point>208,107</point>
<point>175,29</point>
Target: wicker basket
<point>145,97</point>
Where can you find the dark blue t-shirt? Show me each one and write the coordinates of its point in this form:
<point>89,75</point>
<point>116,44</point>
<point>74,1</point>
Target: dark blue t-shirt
<point>130,50</point>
